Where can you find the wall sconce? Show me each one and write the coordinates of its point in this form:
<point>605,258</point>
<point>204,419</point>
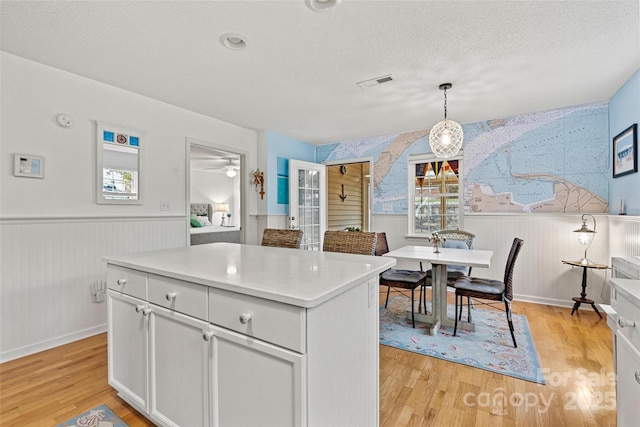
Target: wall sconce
<point>224,208</point>
<point>585,237</point>
<point>258,180</point>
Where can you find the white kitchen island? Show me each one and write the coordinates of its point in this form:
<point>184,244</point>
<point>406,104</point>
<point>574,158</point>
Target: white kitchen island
<point>240,335</point>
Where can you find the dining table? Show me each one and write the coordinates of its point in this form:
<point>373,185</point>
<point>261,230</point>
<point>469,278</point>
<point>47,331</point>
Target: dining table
<point>439,261</point>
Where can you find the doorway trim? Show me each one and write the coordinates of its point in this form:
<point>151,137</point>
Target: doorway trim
<point>243,181</point>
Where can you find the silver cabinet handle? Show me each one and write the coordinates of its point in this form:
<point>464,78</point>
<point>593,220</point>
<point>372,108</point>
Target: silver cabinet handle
<point>146,311</point>
<point>626,323</point>
<point>244,318</point>
<point>170,296</point>
<point>121,282</point>
<point>207,335</point>
<point>139,308</point>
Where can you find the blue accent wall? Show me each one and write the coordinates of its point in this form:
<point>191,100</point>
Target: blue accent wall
<point>281,148</point>
<point>624,110</point>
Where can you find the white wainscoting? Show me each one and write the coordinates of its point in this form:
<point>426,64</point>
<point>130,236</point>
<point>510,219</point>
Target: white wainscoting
<point>539,274</point>
<point>47,269</point>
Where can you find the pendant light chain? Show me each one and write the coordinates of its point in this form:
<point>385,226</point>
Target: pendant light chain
<point>445,103</point>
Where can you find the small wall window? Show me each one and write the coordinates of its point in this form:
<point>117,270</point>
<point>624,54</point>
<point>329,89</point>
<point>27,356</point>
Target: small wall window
<point>118,164</point>
<point>435,194</point>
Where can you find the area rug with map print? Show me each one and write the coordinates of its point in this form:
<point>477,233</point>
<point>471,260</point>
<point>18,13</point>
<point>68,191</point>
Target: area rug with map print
<point>100,416</point>
<point>490,347</point>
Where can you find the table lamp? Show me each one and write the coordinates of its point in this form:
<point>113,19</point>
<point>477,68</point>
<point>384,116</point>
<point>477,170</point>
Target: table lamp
<point>585,237</point>
<point>224,208</point>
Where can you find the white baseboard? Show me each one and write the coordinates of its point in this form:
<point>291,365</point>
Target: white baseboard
<point>542,300</point>
<point>51,343</point>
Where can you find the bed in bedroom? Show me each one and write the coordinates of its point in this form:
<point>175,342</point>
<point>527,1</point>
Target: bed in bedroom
<point>204,230</point>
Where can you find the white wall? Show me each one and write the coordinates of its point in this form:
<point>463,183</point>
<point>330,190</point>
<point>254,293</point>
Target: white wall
<point>53,234</point>
<point>539,274</point>
<point>216,187</point>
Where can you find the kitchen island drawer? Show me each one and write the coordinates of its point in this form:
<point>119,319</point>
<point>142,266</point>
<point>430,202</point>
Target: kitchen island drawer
<point>628,318</point>
<point>184,297</point>
<point>274,322</point>
<point>128,281</point>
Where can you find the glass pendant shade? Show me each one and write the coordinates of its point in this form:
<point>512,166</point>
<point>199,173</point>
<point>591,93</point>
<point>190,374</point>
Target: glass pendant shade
<point>445,138</point>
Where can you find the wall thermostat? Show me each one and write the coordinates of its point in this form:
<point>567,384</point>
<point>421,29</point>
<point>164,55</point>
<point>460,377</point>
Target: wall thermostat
<point>64,120</point>
<point>29,166</point>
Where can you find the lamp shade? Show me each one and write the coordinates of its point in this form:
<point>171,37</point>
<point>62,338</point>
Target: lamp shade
<point>445,138</point>
<point>585,236</point>
<point>223,207</point>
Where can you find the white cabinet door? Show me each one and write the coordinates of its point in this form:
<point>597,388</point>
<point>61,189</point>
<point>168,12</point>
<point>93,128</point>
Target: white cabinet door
<point>128,347</point>
<point>179,368</point>
<point>628,382</point>
<point>255,383</point>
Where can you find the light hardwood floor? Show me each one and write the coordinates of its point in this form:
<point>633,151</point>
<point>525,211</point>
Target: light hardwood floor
<point>50,387</point>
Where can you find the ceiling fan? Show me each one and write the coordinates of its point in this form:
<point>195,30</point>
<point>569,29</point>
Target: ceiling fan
<point>230,165</point>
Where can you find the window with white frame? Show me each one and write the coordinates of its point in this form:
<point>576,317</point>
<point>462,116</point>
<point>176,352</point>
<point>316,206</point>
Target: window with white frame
<point>434,194</point>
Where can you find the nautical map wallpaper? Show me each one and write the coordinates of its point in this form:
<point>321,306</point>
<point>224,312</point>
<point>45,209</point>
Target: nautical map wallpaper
<point>552,161</point>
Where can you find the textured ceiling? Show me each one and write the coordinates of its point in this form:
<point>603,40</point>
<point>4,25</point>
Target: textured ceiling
<point>298,73</point>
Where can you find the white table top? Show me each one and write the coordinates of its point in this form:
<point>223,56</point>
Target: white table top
<point>448,256</point>
<point>293,276</point>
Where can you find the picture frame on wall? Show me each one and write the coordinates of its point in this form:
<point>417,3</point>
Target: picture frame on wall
<point>625,152</point>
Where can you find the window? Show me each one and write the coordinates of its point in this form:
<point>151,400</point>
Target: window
<point>434,196</point>
<point>118,164</point>
<point>120,173</point>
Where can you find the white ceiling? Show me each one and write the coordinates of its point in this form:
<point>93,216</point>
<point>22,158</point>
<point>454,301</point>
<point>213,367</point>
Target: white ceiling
<point>298,73</point>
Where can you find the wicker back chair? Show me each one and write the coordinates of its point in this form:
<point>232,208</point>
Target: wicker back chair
<point>491,289</point>
<point>402,279</point>
<point>459,239</point>
<point>282,238</point>
<point>455,239</point>
<point>461,235</point>
<point>350,242</point>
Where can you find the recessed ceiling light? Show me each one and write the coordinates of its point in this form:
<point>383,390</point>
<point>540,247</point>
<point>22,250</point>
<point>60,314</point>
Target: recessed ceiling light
<point>321,5</point>
<point>233,41</point>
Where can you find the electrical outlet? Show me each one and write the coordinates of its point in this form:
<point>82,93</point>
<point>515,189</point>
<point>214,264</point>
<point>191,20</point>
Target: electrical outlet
<point>98,289</point>
<point>98,296</point>
<point>165,205</point>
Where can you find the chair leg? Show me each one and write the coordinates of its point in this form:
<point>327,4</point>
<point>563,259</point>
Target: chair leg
<point>413,314</point>
<point>455,325</point>
<point>469,303</point>
<point>387,300</point>
<point>507,306</point>
<point>420,301</point>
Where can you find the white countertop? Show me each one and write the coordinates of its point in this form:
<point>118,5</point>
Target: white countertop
<point>448,256</point>
<point>292,276</point>
<point>628,287</point>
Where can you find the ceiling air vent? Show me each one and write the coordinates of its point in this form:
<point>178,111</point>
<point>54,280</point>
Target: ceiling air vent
<point>376,81</point>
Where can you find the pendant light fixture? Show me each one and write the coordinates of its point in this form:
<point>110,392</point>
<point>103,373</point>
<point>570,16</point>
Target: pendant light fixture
<point>445,138</point>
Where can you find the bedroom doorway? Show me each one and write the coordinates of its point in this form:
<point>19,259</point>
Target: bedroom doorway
<point>214,193</point>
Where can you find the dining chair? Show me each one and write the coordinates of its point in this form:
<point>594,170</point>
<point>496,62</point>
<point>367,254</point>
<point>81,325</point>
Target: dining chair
<point>401,279</point>
<point>490,289</point>
<point>283,238</point>
<point>458,239</point>
<point>350,242</point>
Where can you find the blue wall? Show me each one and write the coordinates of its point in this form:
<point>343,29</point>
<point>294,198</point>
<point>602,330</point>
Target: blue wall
<point>280,148</point>
<point>624,110</point>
